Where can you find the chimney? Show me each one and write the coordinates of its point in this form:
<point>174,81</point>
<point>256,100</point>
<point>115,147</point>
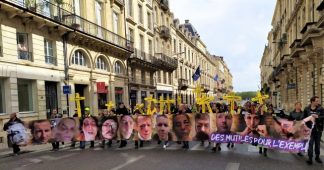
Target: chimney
<point>187,21</point>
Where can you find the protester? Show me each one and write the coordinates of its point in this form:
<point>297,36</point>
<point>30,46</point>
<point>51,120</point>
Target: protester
<point>315,110</point>
<point>297,115</point>
<point>13,120</point>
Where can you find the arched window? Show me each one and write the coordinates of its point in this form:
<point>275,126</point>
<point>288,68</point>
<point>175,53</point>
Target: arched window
<point>101,64</point>
<point>118,68</point>
<point>78,58</point>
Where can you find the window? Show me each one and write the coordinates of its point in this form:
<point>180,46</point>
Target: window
<point>45,8</point>
<point>174,45</point>
<point>140,14</point>
<point>130,8</point>
<point>133,74</point>
<point>162,19</point>
<point>100,64</point>
<point>77,10</point>
<point>131,34</point>
<point>78,58</point>
<point>189,76</point>
<point>180,48</point>
<point>185,52</point>
<point>22,44</point>
<point>143,76</point>
<point>170,78</point>
<point>115,22</point>
<point>156,16</point>
<point>48,49</point>
<point>157,45</point>
<point>151,79</point>
<point>150,47</point>
<point>2,97</point>
<point>149,21</point>
<point>159,76</point>
<point>142,43</point>
<point>98,12</point>
<point>25,95</point>
<point>118,68</point>
<point>165,78</point>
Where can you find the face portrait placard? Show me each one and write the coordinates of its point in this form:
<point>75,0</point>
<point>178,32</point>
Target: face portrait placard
<point>163,128</point>
<point>144,127</point>
<point>90,128</point>
<point>65,130</point>
<point>109,127</point>
<point>182,126</point>
<point>126,126</point>
<point>41,131</point>
<point>17,134</point>
<point>203,127</point>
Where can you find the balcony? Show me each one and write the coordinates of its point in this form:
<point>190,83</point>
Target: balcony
<point>25,55</point>
<point>165,32</point>
<point>119,2</point>
<point>63,21</point>
<point>296,48</point>
<point>137,82</point>
<point>142,60</point>
<point>164,4</point>
<point>183,84</point>
<point>276,72</point>
<point>165,62</point>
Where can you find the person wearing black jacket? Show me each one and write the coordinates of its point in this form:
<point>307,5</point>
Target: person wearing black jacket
<point>315,110</point>
<point>13,119</point>
<point>122,110</point>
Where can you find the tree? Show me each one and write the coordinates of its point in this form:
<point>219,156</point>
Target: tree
<point>247,94</point>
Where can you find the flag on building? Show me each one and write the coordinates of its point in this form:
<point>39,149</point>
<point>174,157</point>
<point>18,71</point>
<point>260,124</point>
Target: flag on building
<point>196,75</point>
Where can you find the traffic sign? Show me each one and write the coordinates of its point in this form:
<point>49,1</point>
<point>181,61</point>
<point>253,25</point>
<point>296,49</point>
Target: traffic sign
<point>67,89</point>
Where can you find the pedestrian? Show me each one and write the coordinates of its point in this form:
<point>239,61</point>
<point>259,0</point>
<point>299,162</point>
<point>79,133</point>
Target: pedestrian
<point>297,115</point>
<point>55,117</point>
<point>13,120</point>
<point>315,110</point>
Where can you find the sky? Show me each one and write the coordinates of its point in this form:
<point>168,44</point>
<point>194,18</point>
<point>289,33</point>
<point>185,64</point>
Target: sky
<point>234,29</point>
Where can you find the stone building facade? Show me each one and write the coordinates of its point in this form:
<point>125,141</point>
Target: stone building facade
<point>45,46</point>
<point>292,62</point>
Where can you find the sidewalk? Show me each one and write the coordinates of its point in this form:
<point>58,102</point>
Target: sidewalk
<point>25,149</point>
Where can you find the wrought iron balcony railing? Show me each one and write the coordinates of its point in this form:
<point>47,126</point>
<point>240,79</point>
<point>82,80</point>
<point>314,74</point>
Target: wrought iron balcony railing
<point>165,62</point>
<point>59,15</point>
<point>165,32</point>
<point>25,55</point>
<point>164,4</point>
<point>50,60</point>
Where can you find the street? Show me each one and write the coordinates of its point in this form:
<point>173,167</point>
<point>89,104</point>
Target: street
<point>152,156</point>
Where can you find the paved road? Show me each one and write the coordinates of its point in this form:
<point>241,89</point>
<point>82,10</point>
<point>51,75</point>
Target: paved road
<point>152,156</point>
